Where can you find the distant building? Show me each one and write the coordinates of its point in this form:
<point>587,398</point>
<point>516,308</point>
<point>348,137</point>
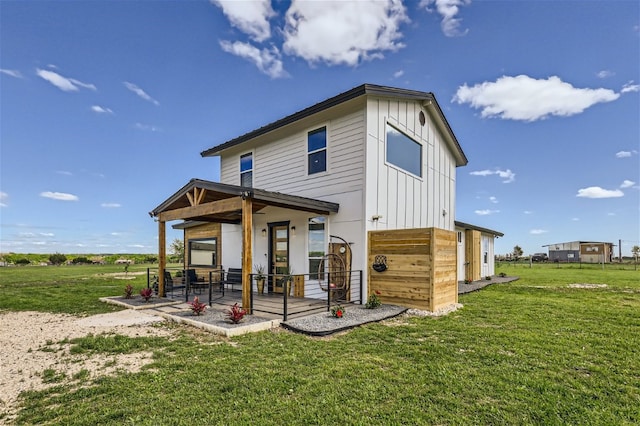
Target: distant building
<point>581,251</point>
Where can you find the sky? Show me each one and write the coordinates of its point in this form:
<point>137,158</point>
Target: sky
<point>105,106</point>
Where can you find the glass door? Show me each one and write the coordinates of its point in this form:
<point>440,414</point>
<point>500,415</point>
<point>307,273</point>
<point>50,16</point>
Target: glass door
<point>279,255</point>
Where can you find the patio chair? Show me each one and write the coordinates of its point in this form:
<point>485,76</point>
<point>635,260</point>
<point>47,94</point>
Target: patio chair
<point>194,281</point>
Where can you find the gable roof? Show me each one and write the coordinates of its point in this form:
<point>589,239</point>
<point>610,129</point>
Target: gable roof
<point>478,228</point>
<point>199,192</point>
<point>427,99</point>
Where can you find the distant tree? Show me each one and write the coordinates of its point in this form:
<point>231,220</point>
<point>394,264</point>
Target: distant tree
<point>635,250</point>
<point>150,259</point>
<point>80,260</point>
<point>57,258</point>
<point>517,252</point>
<point>177,250</point>
<point>23,261</point>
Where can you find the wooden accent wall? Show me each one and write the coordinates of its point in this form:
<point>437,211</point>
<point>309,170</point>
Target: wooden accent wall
<point>207,230</point>
<point>473,255</point>
<point>421,267</point>
<point>445,268</point>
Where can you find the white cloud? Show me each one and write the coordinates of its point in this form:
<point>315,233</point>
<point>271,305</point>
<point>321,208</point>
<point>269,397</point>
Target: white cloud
<point>47,234</point>
<point>527,212</point>
<point>3,196</point>
<point>147,127</point>
<point>64,172</point>
<point>538,231</point>
<point>507,175</point>
<point>343,32</point>
<point>486,212</point>
<point>575,219</point>
<point>630,87</point>
<point>627,184</point>
<point>605,74</point>
<point>101,110</point>
<point>250,17</point>
<point>63,83</point>
<point>597,192</point>
<point>138,91</point>
<point>110,205</point>
<point>12,73</point>
<point>59,196</point>
<point>268,61</point>
<point>493,199</point>
<point>398,74</point>
<point>529,99</point>
<point>623,154</point>
<point>448,9</point>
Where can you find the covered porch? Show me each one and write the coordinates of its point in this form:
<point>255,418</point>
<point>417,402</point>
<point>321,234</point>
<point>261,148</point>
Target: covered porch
<point>201,203</point>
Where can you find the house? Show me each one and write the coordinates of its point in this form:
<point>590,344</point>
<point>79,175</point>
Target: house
<point>476,255</point>
<point>581,251</point>
<point>366,178</point>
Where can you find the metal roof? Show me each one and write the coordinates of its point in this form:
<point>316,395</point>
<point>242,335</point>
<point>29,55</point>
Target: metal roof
<point>427,98</point>
<point>478,228</point>
<point>214,191</point>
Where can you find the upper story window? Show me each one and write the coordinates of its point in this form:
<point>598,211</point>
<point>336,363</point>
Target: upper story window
<point>246,170</point>
<point>403,152</point>
<point>317,150</point>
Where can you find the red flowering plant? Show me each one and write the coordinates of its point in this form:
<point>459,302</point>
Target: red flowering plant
<point>128,291</point>
<point>337,311</point>
<point>146,293</point>
<point>373,301</point>
<point>236,313</point>
<point>197,307</point>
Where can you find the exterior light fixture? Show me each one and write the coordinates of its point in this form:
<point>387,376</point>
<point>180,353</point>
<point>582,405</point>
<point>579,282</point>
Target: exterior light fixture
<point>264,232</point>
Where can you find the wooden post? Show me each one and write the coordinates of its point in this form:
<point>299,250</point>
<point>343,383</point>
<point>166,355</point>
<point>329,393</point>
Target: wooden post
<point>162,256</point>
<point>247,249</point>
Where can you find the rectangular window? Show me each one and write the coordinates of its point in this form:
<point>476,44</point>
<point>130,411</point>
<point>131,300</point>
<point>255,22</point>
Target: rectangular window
<point>203,252</point>
<point>317,150</point>
<point>403,152</point>
<point>246,170</point>
<point>316,245</point>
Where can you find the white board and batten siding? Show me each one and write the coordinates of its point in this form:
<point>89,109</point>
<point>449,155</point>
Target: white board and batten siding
<point>398,198</point>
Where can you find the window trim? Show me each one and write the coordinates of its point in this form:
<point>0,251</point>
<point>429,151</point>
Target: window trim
<point>316,129</point>
<point>395,166</point>
<point>193,241</point>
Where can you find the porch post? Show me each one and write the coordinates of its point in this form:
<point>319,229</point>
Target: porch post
<point>162,256</point>
<point>247,250</point>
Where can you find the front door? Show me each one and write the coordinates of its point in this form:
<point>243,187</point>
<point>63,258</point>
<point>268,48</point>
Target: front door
<point>278,255</point>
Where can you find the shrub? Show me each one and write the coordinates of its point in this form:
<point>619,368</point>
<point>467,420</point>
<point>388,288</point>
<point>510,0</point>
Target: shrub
<point>373,301</point>
<point>128,291</point>
<point>337,311</point>
<point>236,313</point>
<point>197,307</point>
<point>146,293</point>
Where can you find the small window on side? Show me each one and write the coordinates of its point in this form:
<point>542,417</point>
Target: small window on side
<point>246,170</point>
<point>403,152</point>
<point>317,150</point>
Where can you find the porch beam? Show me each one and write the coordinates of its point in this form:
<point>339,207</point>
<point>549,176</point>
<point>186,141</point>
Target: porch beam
<point>162,255</point>
<point>215,207</point>
<point>247,251</point>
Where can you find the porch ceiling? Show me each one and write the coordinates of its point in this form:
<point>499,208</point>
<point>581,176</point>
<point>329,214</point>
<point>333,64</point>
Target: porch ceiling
<point>208,201</point>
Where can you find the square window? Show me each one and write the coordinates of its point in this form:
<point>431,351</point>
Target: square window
<point>317,162</point>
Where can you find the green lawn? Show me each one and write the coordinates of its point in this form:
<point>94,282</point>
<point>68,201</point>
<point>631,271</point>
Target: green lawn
<point>530,352</point>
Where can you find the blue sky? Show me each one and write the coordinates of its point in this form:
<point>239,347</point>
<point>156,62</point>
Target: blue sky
<point>106,106</point>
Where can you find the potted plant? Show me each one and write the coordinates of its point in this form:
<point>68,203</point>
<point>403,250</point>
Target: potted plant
<point>287,280</point>
<point>260,278</point>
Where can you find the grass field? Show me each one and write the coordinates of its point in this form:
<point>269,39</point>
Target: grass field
<point>534,351</point>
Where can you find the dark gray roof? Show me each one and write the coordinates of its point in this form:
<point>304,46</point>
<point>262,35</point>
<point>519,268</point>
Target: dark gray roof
<point>261,198</point>
<point>366,89</point>
<point>478,228</point>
